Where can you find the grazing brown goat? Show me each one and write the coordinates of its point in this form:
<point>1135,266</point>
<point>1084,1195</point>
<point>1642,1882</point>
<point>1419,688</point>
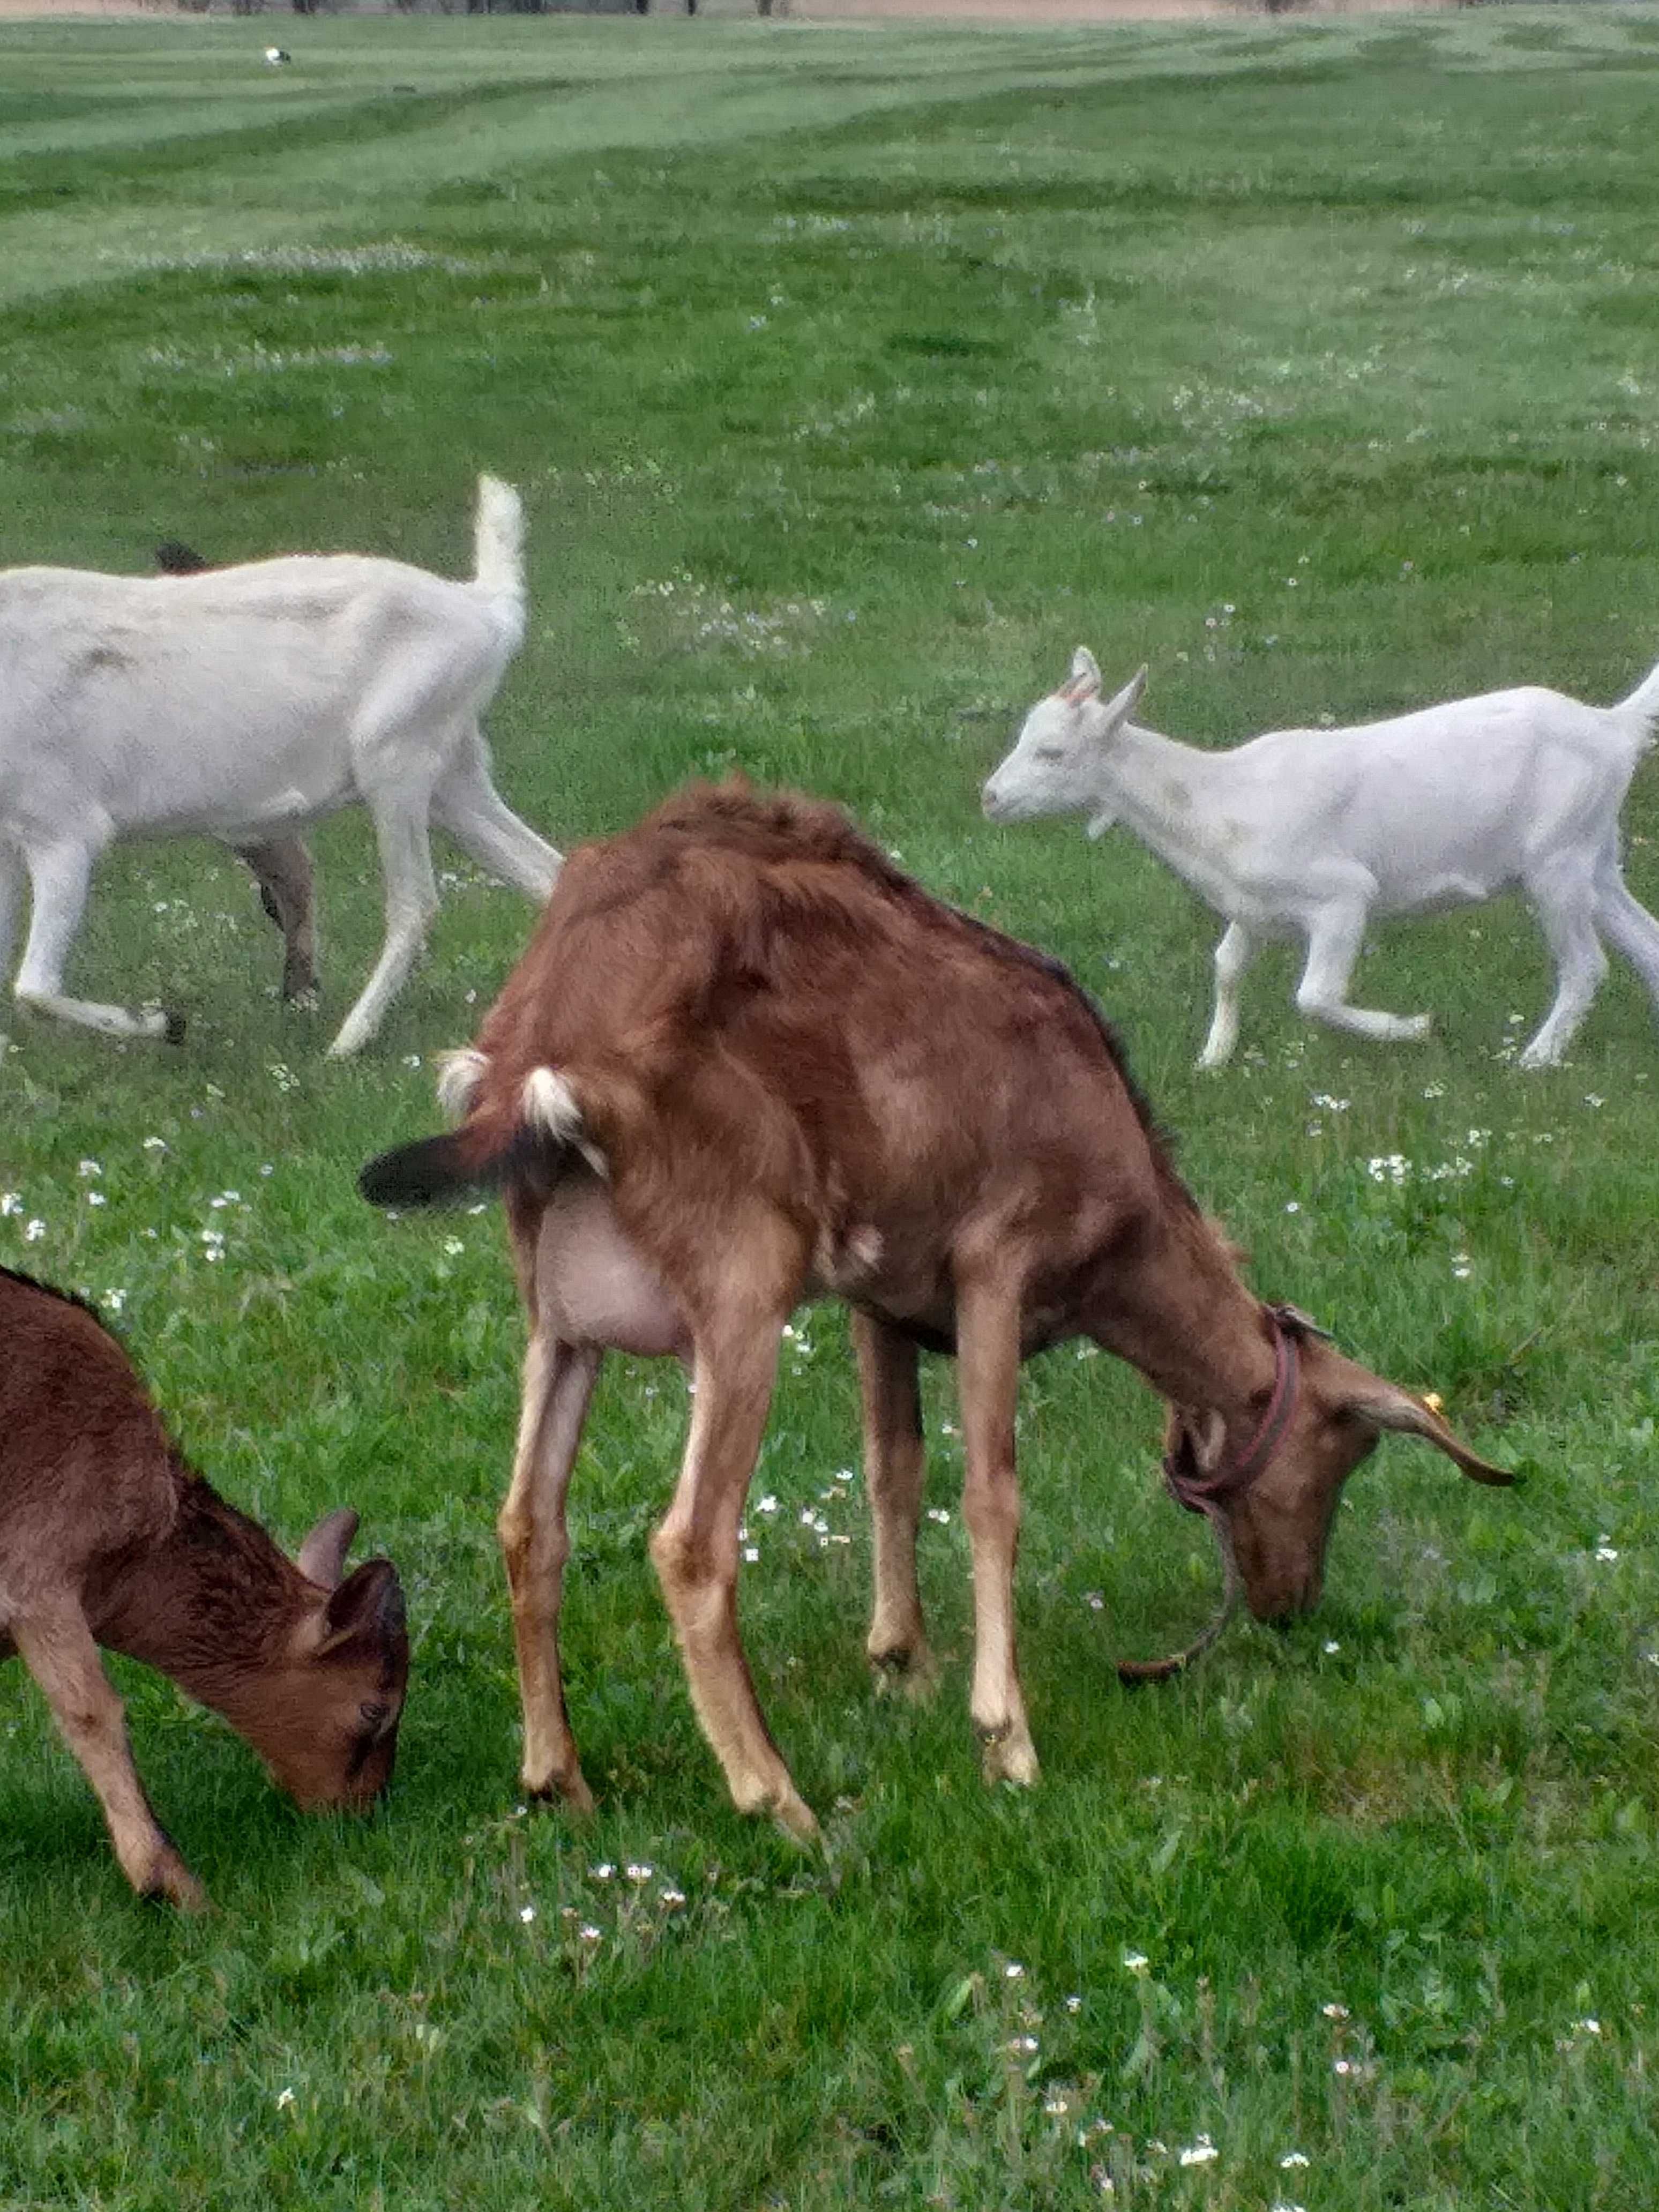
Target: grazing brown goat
<point>744,1060</point>
<point>107,1537</point>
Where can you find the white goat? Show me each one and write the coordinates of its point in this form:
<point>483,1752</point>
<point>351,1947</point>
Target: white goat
<point>1309,833</point>
<point>243,703</point>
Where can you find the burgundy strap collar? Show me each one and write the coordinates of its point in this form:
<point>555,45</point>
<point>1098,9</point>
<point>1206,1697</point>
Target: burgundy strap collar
<point>1200,1492</point>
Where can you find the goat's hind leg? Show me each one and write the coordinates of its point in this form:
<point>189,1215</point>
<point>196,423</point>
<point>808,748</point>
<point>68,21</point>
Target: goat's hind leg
<point>694,1551</point>
<point>1627,925</point>
<point>57,1647</point>
<point>895,1468</point>
<point>61,876</point>
<point>558,1383</point>
<point>411,900</point>
<point>1334,936</point>
<point>467,804</point>
<point>1565,902</point>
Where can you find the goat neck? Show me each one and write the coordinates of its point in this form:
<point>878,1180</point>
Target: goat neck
<point>1172,796</point>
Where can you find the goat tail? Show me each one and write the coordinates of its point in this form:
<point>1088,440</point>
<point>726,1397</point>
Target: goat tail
<point>488,1147</point>
<point>1643,700</point>
<point>499,561</point>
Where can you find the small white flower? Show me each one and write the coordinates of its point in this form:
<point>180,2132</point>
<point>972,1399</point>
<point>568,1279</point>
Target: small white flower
<point>1073,2004</point>
<point>673,1899</point>
<point>603,1872</point>
<point>96,1198</point>
<point>10,1202</point>
<point>1013,1971</point>
<point>453,1247</point>
<point>938,1513</point>
<point>1292,1205</point>
<point>1292,2159</point>
<point>284,2100</point>
<point>1334,2011</point>
<point>1021,2046</point>
<point>526,1913</point>
<point>33,1230</point>
<point>1589,2027</point>
<point>90,1168</point>
<point>751,1553</point>
<point>115,1300</point>
<point>411,1059</point>
<point>588,1932</point>
<point>1200,2153</point>
<point>637,1870</point>
<point>1332,1647</point>
<point>1136,1961</point>
<point>1342,2066</point>
<point>1606,1553</point>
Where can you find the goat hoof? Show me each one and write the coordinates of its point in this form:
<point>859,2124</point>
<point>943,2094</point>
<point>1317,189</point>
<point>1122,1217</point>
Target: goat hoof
<point>570,1791</point>
<point>912,1674</point>
<point>172,1028</point>
<point>795,1817</point>
<point>168,1880</point>
<point>1006,1754</point>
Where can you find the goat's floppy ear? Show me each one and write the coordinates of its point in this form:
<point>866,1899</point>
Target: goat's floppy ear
<point>367,1607</point>
<point>322,1555</point>
<point>1382,1405</point>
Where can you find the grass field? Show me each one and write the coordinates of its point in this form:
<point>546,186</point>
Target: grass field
<point>852,379</point>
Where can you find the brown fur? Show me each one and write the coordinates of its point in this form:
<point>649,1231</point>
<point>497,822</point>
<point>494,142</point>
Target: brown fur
<point>107,1537</point>
<point>798,1072</point>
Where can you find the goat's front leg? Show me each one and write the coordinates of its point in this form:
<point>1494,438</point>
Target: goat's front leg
<point>61,876</point>
<point>411,900</point>
<point>988,1382</point>
<point>1334,936</point>
<point>1233,957</point>
<point>695,1550</point>
<point>558,1383</point>
<point>895,1468</point>
<point>281,867</point>
<point>57,1647</point>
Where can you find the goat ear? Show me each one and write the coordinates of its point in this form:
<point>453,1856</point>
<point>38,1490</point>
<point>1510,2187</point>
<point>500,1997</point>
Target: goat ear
<point>1084,681</point>
<point>367,1607</point>
<point>1384,1406</point>
<point>322,1555</point>
<point>1120,708</point>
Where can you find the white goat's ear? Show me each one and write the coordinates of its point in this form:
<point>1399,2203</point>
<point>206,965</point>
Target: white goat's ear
<point>1120,708</point>
<point>1084,681</point>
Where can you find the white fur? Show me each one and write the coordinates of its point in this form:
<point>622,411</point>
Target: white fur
<point>243,703</point>
<point>549,1104</point>
<point>459,1074</point>
<point>1311,834</point>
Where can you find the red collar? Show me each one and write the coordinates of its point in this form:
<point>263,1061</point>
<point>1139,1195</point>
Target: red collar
<point>1198,1493</point>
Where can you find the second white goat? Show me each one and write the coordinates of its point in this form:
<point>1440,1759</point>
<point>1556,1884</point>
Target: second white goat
<point>1310,834</point>
<point>242,704</point>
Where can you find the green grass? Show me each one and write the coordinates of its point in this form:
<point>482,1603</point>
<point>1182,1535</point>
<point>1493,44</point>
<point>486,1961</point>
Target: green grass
<point>852,377</point>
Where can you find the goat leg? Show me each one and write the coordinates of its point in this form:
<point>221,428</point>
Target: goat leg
<point>694,1551</point>
<point>558,1383</point>
<point>57,1647</point>
<point>895,1468</point>
<point>988,1382</point>
<point>281,867</point>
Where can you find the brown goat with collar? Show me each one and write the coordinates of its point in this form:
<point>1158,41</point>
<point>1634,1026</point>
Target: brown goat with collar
<point>745,1059</point>
<point>107,1537</point>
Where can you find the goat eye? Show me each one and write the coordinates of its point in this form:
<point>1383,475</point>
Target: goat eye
<point>372,1713</point>
<point>1050,752</point>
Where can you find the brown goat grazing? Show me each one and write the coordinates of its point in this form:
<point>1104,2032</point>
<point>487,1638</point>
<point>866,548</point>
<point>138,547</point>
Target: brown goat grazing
<point>107,1537</point>
<point>744,1060</point>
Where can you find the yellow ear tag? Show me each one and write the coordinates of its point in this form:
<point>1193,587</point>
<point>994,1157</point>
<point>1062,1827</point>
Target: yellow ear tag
<point>1434,1401</point>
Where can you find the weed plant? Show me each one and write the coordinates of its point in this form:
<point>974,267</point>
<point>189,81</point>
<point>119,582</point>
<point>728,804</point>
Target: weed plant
<point>852,377</point>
